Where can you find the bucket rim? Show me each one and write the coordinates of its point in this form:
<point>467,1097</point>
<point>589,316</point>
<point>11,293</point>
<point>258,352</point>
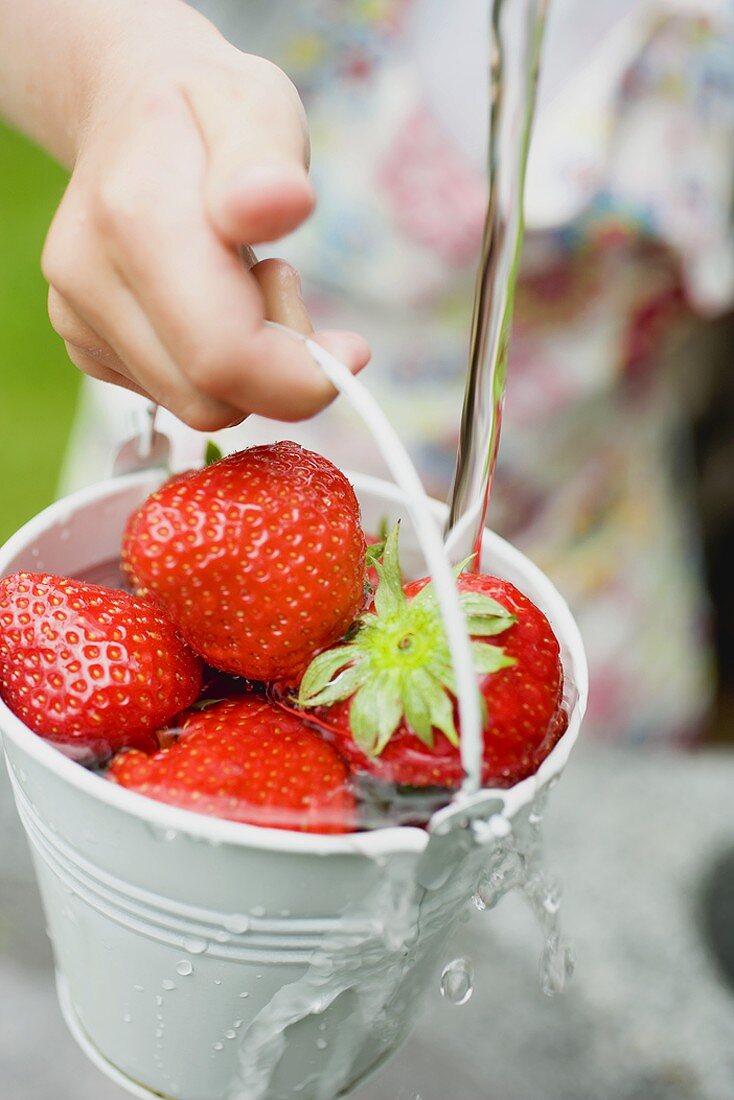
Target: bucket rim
<point>373,843</point>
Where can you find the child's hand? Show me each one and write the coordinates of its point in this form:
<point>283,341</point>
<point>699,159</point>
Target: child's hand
<point>173,173</point>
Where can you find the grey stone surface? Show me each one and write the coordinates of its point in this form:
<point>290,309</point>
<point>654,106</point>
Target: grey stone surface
<point>646,1017</point>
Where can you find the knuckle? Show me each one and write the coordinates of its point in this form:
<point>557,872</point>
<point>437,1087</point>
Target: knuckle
<point>271,85</point>
<point>305,404</point>
<point>204,415</point>
<point>60,316</point>
<point>55,264</point>
<point>211,367</point>
<point>85,363</point>
<point>114,207</point>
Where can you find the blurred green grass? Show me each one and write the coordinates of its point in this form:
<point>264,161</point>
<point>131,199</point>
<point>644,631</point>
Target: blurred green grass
<point>38,383</point>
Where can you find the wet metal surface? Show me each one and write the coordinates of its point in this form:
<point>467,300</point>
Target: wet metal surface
<point>647,1016</point>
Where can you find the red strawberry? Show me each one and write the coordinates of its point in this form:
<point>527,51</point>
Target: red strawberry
<point>247,760</point>
<point>258,558</point>
<point>90,666</point>
<point>385,696</point>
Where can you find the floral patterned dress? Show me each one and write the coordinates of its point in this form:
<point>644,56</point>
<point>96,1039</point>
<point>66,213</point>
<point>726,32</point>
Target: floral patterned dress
<point>628,237</point>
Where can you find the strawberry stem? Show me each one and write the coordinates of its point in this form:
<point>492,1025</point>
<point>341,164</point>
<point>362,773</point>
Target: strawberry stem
<point>397,665</point>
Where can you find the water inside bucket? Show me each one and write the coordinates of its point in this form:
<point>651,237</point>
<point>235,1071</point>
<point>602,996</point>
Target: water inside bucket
<point>378,804</point>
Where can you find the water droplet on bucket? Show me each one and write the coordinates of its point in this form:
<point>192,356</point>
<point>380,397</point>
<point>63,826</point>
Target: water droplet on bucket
<point>126,1018</point>
<point>237,1023</point>
<point>194,945</point>
<point>236,923</point>
<point>217,981</point>
<point>457,981</point>
<point>321,1044</point>
<point>159,1033</point>
<point>244,994</point>
<point>184,968</point>
<point>258,910</point>
<point>230,1034</point>
<point>219,1046</point>
<point>139,988</point>
<point>159,1000</point>
<point>167,984</point>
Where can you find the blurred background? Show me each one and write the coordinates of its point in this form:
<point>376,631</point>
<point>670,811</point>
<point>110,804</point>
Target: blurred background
<point>622,311</point>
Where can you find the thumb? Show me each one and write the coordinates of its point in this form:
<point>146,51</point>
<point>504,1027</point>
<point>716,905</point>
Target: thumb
<point>256,136</point>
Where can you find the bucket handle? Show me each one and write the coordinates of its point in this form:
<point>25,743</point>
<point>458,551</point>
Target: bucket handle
<point>431,543</point>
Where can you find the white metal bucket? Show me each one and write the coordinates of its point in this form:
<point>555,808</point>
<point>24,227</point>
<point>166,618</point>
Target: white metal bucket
<point>204,959</point>
<point>137,892</point>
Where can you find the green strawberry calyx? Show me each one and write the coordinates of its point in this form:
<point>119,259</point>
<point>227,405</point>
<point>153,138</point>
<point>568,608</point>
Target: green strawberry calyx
<point>212,453</point>
<point>396,665</point>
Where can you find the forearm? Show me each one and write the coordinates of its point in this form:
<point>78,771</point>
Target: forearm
<point>60,59</point>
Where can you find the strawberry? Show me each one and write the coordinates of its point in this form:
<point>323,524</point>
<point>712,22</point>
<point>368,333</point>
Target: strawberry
<point>246,760</point>
<point>90,666</point>
<point>257,558</point>
<point>385,697</point>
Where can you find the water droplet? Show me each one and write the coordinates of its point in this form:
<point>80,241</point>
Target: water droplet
<point>321,1044</point>
<point>184,968</point>
<point>162,834</point>
<point>457,981</point>
<point>322,1026</point>
<point>217,981</point>
<point>237,1023</point>
<point>194,945</point>
<point>159,1033</point>
<point>244,994</point>
<point>230,1034</point>
<point>159,1000</point>
<point>219,1046</point>
<point>139,988</point>
<point>236,923</point>
<point>500,825</point>
<point>556,966</point>
<point>258,977</point>
<point>258,910</point>
<point>222,937</point>
<point>126,1018</point>
<point>167,984</point>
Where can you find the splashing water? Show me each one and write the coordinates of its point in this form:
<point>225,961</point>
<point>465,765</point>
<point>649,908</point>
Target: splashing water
<point>457,981</point>
<point>368,962</point>
<point>516,863</point>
